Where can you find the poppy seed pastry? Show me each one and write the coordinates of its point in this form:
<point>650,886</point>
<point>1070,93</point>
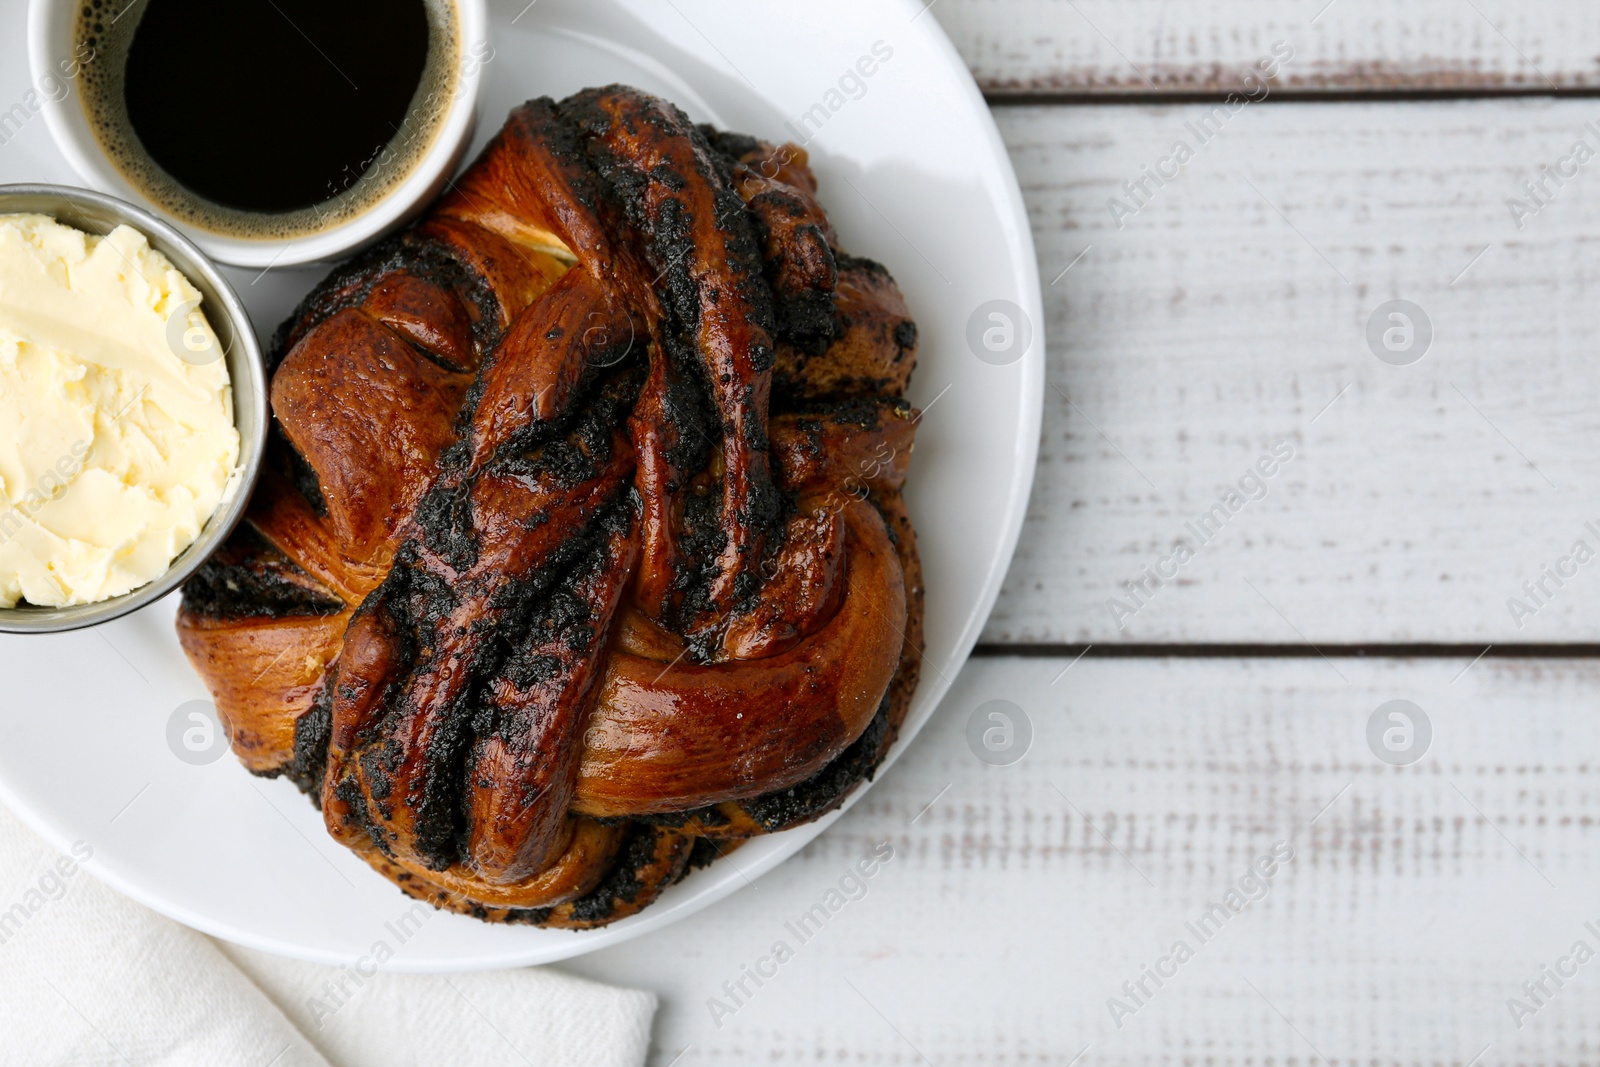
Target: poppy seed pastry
<point>581,554</point>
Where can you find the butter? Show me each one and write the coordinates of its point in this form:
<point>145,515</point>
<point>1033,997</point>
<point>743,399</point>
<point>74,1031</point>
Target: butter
<point>117,439</point>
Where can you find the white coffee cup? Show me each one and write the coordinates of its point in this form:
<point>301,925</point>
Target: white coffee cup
<point>51,55</point>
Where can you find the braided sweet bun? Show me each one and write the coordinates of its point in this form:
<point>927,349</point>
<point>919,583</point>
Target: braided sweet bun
<point>580,554</point>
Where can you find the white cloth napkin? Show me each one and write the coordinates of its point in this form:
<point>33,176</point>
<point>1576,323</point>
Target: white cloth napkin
<point>89,977</point>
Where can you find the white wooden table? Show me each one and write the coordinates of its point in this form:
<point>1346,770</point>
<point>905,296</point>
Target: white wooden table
<point>1225,720</point>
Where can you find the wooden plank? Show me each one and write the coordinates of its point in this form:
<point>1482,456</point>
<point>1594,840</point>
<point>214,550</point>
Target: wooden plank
<point>1418,899</point>
<point>1228,317</point>
<point>1149,47</point>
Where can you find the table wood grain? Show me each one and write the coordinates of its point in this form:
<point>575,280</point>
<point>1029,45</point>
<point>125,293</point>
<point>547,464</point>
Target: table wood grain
<point>1414,903</point>
<point>1155,47</point>
<point>1229,314</point>
<point>1225,316</point>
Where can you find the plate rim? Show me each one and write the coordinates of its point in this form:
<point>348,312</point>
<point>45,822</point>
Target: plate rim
<point>929,697</point>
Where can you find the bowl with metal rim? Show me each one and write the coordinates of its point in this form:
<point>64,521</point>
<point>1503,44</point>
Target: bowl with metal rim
<point>99,214</point>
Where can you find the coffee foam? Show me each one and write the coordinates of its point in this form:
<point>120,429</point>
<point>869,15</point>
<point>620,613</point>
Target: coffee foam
<point>109,37</point>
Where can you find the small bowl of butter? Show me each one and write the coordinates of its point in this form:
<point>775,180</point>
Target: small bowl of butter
<point>133,408</point>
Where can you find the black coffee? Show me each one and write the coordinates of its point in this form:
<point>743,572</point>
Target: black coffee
<point>295,97</point>
<point>267,118</point>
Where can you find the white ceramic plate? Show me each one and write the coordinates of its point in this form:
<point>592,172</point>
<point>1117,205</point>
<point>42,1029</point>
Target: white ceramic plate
<point>913,174</point>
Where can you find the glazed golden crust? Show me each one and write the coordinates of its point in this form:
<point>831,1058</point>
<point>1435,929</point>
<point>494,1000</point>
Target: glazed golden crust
<point>583,539</point>
<point>758,725</point>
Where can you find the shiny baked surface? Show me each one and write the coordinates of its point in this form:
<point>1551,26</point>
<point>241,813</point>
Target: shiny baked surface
<point>582,549</point>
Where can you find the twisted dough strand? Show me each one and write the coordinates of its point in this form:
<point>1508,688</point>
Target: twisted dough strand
<point>582,545</point>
